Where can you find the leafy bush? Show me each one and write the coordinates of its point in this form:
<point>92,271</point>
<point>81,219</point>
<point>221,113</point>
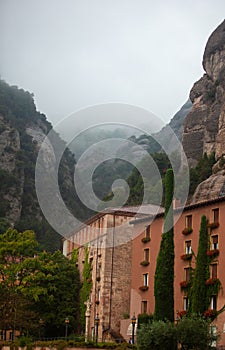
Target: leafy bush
<point>157,335</point>
<point>24,341</point>
<point>193,333</point>
<point>144,318</point>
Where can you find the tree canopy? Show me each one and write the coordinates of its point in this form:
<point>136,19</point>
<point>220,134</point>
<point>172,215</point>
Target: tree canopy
<point>36,285</point>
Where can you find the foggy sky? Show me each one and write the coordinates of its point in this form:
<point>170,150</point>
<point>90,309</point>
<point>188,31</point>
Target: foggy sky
<point>76,53</point>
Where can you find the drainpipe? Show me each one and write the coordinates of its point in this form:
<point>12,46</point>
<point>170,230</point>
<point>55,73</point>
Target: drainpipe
<point>111,274</point>
<point>96,268</point>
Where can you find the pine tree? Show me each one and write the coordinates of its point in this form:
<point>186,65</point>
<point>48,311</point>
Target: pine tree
<point>164,274</point>
<point>198,298</point>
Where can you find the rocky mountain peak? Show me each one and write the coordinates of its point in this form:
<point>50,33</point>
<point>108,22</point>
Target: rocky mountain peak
<point>214,55</point>
<point>204,126</point>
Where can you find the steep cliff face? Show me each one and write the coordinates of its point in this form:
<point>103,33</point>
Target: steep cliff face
<point>204,126</point>
<point>22,130</point>
<point>11,175</point>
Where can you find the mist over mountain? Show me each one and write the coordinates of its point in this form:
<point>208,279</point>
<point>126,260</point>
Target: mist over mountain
<point>22,130</point>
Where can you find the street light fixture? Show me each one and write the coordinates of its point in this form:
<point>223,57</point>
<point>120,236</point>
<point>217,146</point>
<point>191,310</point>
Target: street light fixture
<point>41,324</point>
<point>67,321</point>
<point>133,322</point>
<point>97,320</point>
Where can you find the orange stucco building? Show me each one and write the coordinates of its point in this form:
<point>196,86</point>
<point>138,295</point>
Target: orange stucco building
<point>145,247</point>
<point>123,249</point>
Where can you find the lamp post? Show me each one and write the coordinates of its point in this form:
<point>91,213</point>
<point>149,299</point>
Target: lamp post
<point>67,321</point>
<point>133,322</point>
<point>97,320</point>
<point>41,324</point>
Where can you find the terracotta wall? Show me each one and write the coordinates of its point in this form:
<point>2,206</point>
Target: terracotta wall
<point>138,296</point>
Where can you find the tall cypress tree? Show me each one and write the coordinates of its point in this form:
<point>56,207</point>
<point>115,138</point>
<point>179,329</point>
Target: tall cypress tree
<point>198,298</point>
<point>164,274</point>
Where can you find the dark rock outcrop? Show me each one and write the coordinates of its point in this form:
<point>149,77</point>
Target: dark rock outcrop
<point>204,126</point>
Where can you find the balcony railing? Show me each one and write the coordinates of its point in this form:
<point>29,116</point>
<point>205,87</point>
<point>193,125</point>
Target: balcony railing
<point>144,263</point>
<point>213,252</point>
<point>187,230</point>
<point>186,256</point>
<point>213,225</point>
<point>184,284</point>
<point>143,288</point>
<point>146,239</point>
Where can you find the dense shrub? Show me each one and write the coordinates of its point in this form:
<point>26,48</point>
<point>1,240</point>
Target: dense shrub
<point>157,335</point>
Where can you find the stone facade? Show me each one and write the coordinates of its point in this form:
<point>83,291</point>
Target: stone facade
<point>109,238</point>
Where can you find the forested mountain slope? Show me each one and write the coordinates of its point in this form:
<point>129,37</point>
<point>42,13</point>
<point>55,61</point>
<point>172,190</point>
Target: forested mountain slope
<point>21,127</point>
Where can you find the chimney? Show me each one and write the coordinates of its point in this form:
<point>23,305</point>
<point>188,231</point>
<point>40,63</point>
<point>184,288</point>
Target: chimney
<point>176,203</point>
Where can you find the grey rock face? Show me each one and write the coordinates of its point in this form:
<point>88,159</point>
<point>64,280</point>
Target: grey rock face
<point>204,126</point>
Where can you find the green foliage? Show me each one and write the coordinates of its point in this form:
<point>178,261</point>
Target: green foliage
<point>202,171</point>
<point>157,335</point>
<point>144,318</point>
<point>14,247</point>
<point>199,301</point>
<point>53,284</point>
<point>4,224</point>
<point>86,287</point>
<point>19,112</point>
<point>193,333</point>
<point>24,341</point>
<point>153,185</point>
<point>73,343</point>
<point>75,255</point>
<point>34,285</point>
<point>164,274</point>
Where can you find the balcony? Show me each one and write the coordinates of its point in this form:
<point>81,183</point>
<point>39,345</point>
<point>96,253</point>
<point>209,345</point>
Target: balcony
<point>184,284</point>
<point>186,256</point>
<point>210,313</point>
<point>213,253</point>
<point>144,263</point>
<point>182,313</point>
<point>212,281</point>
<point>143,288</point>
<point>146,239</point>
<point>187,230</point>
<point>213,225</point>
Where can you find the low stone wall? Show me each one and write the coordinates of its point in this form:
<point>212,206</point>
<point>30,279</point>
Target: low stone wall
<point>47,348</point>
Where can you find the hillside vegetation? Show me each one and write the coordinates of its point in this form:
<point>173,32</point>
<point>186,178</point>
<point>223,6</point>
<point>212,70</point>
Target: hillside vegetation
<point>18,152</point>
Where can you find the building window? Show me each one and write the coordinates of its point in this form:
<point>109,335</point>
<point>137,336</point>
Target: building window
<point>145,279</point>
<point>213,333</point>
<point>147,231</point>
<point>213,303</point>
<point>214,270</point>
<point>144,306</point>
<point>93,333</point>
<point>188,247</point>
<point>216,215</point>
<point>146,255</point>
<point>98,295</point>
<point>186,303</point>
<point>188,221</point>
<point>187,274</point>
<point>214,240</point>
